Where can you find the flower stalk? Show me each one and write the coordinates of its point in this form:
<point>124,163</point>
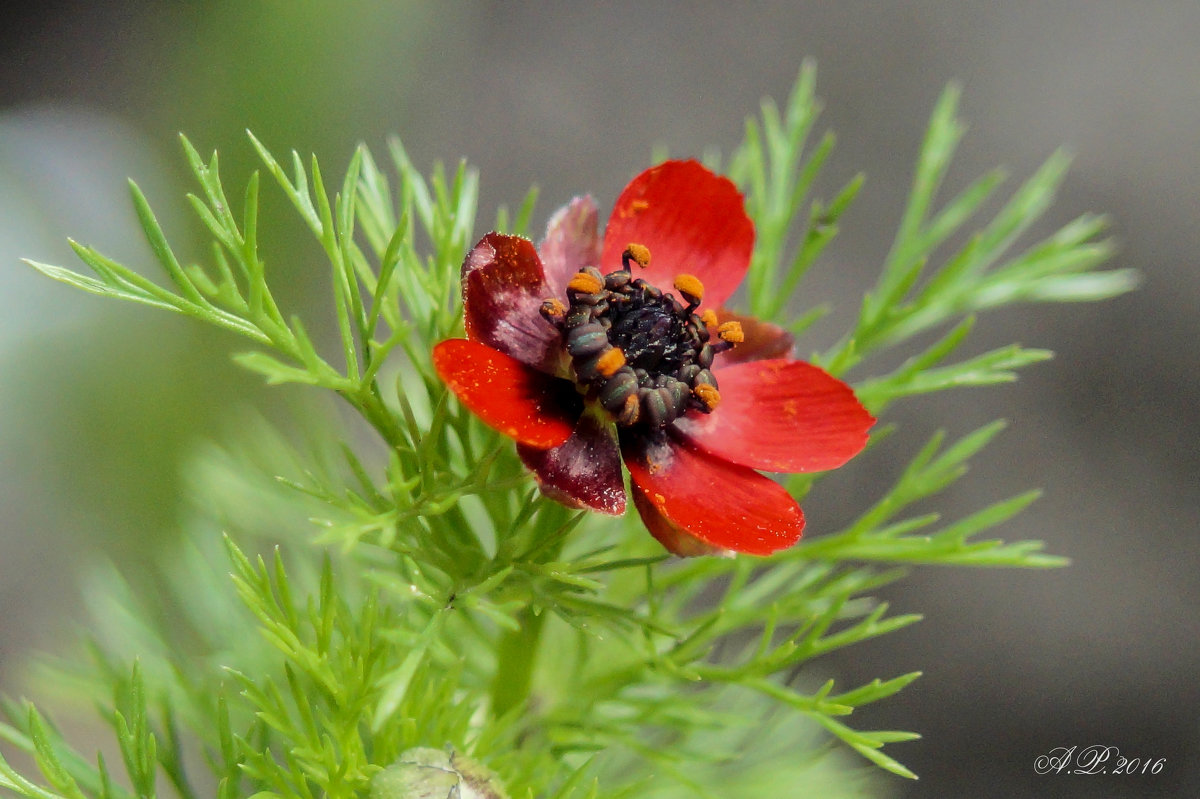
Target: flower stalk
<point>516,656</point>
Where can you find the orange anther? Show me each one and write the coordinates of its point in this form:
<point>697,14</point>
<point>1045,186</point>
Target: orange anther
<point>585,283</point>
<point>608,363</point>
<point>709,317</point>
<point>708,395</point>
<point>731,332</point>
<point>638,253</point>
<point>690,287</point>
<point>630,411</point>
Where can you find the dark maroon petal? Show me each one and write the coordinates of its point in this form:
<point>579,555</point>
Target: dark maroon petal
<point>693,222</point>
<point>780,416</point>
<point>722,504</point>
<point>524,404</point>
<point>584,472</point>
<point>503,291</point>
<point>763,340</point>
<point>572,242</point>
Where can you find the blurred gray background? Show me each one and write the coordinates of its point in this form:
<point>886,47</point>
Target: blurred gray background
<point>101,402</point>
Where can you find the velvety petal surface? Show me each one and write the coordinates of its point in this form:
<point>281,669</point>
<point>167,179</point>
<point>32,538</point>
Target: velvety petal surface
<point>692,220</point>
<point>763,340</point>
<point>503,290</point>
<point>572,242</point>
<point>583,472</point>
<point>723,505</point>
<point>780,416</point>
<point>524,404</point>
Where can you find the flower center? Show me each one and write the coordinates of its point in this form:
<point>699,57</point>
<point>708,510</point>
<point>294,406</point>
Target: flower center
<point>643,354</point>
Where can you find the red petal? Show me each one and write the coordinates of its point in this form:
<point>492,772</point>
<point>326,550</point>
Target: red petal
<point>585,472</point>
<point>572,242</point>
<point>693,221</point>
<point>763,340</point>
<point>724,505</point>
<point>534,408</point>
<point>781,416</point>
<point>503,290</point>
<point>676,540</point>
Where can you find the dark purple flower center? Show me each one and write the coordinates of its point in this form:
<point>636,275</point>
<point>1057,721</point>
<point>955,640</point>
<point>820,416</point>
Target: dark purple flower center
<point>653,336</point>
<point>640,352</point>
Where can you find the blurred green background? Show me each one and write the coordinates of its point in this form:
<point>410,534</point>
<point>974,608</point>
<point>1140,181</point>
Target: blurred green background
<point>103,402</point>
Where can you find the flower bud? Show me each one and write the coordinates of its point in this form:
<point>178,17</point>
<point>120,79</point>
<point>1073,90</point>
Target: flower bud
<point>426,773</point>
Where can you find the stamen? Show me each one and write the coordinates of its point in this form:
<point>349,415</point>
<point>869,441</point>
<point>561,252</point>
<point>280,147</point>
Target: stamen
<point>636,253</point>
<point>677,393</point>
<point>655,407</point>
<point>585,283</point>
<point>608,363</point>
<point>615,281</point>
<point>708,395</point>
<point>586,340</point>
<point>642,354</point>
<point>691,288</point>
<point>617,389</point>
<point>731,332</point>
<point>630,411</point>
<point>554,311</point>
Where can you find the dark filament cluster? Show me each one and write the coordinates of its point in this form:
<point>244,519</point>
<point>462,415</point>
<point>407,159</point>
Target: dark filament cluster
<point>640,352</point>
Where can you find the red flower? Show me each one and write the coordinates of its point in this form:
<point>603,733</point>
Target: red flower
<point>589,351</point>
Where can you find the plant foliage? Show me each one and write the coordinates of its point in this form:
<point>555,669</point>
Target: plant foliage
<point>440,601</point>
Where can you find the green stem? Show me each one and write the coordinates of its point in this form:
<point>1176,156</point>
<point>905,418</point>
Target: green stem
<point>516,655</point>
<point>370,404</point>
<point>517,650</point>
